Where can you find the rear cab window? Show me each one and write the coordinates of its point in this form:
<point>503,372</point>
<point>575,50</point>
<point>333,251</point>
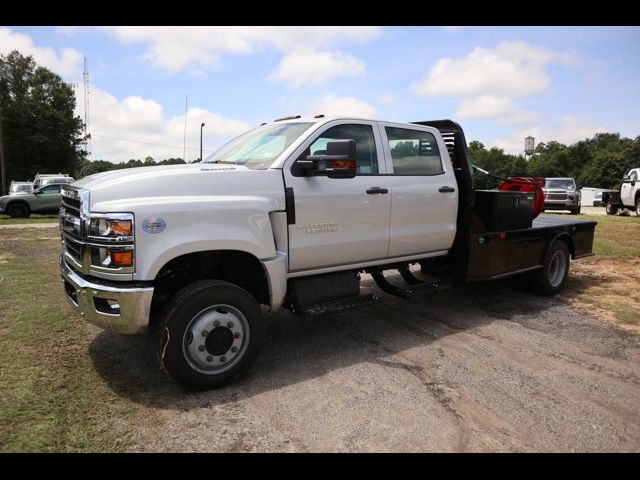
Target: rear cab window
<point>413,152</point>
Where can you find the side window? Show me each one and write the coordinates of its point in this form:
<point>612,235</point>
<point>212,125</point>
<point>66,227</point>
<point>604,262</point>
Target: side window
<point>365,145</point>
<point>413,152</point>
<point>51,189</point>
<point>634,175</point>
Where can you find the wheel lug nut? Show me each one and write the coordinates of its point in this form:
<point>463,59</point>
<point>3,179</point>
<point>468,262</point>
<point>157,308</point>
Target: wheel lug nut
<point>201,348</point>
<point>234,349</point>
<point>216,323</point>
<point>205,333</point>
<point>209,358</point>
<point>223,359</point>
<point>229,324</point>
<point>236,335</point>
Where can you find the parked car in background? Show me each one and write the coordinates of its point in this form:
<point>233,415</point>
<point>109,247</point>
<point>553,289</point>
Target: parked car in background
<point>17,187</point>
<point>561,194</point>
<point>598,200</point>
<point>42,200</point>
<point>627,197</point>
<point>45,179</point>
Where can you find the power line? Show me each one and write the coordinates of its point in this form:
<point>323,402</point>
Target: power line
<point>149,143</point>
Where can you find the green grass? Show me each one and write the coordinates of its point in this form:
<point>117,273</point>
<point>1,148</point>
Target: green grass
<point>34,218</point>
<point>608,283</point>
<point>616,237</point>
<point>51,397</point>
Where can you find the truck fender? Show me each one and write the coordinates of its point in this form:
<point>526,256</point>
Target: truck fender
<point>565,237</point>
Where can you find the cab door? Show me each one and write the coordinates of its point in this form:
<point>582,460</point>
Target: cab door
<point>47,199</point>
<point>626,190</point>
<point>339,221</point>
<point>424,199</point>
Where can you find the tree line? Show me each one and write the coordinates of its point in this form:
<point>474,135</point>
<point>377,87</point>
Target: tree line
<point>599,162</point>
<point>40,133</point>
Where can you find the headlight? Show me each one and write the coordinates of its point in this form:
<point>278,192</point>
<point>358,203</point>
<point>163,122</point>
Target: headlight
<point>117,226</point>
<point>111,236</point>
<point>112,257</point>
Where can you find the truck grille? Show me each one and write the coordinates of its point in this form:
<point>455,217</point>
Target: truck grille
<point>81,251</point>
<point>72,227</point>
<point>557,196</point>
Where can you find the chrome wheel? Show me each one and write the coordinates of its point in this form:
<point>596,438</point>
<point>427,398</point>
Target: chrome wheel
<point>215,339</point>
<point>557,268</point>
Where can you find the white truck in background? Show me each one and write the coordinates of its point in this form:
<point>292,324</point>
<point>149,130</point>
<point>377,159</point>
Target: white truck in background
<point>288,215</point>
<point>627,197</point>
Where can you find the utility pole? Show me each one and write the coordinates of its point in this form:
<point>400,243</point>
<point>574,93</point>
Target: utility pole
<point>87,133</point>
<point>184,141</point>
<point>201,140</point>
<point>3,174</point>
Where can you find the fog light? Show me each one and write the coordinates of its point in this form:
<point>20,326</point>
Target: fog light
<point>106,305</point>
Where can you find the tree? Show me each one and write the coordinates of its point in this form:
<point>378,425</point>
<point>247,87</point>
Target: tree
<point>41,133</point>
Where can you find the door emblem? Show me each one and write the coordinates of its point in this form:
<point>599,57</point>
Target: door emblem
<point>325,227</point>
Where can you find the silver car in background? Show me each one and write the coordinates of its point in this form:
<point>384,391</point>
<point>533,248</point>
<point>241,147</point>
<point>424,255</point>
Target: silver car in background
<point>560,193</point>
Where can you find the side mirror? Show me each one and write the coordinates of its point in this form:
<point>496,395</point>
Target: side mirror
<point>338,162</point>
<point>626,179</point>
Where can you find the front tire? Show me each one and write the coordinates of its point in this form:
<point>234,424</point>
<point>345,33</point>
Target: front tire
<point>576,210</point>
<point>550,279</point>
<point>18,210</point>
<point>611,208</point>
<point>209,332</point>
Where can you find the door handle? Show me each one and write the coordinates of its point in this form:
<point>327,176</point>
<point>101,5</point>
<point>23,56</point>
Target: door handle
<point>374,190</point>
<point>446,189</point>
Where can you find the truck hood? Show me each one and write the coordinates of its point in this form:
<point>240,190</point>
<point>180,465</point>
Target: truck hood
<point>119,188</point>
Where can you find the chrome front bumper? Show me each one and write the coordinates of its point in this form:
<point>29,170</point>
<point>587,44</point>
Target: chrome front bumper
<point>119,309</point>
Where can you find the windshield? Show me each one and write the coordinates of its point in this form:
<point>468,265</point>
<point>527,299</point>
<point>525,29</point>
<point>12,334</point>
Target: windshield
<point>258,148</point>
<point>564,183</point>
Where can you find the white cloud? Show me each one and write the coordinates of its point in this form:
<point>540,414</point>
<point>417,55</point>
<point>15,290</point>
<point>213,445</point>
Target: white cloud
<point>503,109</point>
<point>488,81</point>
<point>315,68</point>
<point>351,106</point>
<point>136,128</point>
<point>568,130</point>
<point>513,69</point>
<point>178,48</point>
<point>66,62</point>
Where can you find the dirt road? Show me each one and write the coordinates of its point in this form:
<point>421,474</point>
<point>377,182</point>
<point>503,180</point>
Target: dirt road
<point>476,368</point>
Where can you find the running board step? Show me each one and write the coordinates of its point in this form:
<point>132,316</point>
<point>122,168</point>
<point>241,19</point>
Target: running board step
<point>415,286</point>
<point>333,306</point>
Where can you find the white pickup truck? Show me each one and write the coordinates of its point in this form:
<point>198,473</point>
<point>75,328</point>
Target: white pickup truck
<point>289,215</point>
<point>627,197</point>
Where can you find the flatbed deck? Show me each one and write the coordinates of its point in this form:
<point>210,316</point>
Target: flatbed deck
<point>494,255</point>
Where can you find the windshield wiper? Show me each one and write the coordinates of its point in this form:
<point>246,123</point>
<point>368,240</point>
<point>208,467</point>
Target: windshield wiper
<point>225,162</point>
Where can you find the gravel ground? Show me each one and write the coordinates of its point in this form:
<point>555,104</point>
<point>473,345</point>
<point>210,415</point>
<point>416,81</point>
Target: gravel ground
<point>485,367</point>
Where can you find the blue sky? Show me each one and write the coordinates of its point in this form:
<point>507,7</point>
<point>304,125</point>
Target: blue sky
<point>500,83</point>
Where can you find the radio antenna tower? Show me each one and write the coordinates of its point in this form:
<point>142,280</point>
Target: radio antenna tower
<point>87,131</point>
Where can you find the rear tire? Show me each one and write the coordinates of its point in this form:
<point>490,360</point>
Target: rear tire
<point>610,208</point>
<point>208,333</point>
<point>638,207</point>
<point>18,210</point>
<point>550,279</point>
<point>576,210</point>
